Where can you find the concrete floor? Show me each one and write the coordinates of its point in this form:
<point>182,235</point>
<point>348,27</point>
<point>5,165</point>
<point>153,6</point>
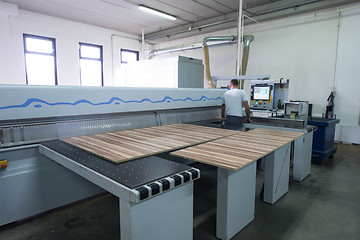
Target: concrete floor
<point>326,205</point>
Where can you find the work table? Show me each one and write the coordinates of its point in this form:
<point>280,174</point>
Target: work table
<point>237,151</point>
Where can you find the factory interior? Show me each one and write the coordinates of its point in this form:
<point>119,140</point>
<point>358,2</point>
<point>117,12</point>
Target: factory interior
<point>117,119</point>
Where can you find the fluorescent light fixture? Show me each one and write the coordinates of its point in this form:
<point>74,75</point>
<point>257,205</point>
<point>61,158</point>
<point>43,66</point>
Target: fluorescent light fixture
<point>156,12</point>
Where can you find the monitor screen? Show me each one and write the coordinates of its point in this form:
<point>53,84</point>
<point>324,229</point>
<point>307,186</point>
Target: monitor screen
<point>262,93</point>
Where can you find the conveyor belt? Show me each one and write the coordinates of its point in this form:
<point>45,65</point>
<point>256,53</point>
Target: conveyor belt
<point>131,174</point>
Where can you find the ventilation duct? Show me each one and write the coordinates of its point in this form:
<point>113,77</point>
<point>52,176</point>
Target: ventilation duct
<point>207,57</point>
<point>184,48</point>
<point>247,39</point>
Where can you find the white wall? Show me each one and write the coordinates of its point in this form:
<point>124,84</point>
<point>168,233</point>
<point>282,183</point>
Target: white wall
<point>303,49</point>
<point>68,34</point>
<point>347,84</point>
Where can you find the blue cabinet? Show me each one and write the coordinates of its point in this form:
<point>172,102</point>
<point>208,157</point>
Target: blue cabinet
<point>323,141</point>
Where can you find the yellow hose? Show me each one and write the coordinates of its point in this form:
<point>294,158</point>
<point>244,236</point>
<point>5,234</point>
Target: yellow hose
<point>245,59</point>
<point>207,67</point>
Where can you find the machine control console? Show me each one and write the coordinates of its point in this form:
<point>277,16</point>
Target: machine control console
<point>261,96</point>
<point>268,95</point>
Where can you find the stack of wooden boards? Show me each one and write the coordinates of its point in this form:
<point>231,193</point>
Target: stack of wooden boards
<point>219,147</point>
<point>237,151</point>
<point>128,145</point>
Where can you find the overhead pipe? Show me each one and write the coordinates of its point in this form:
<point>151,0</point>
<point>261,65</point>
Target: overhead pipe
<point>183,48</point>
<point>207,57</point>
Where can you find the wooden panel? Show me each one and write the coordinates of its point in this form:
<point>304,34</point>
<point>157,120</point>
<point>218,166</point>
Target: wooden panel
<point>237,151</point>
<point>127,145</point>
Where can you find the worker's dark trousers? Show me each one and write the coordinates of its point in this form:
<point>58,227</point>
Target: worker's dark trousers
<point>234,122</point>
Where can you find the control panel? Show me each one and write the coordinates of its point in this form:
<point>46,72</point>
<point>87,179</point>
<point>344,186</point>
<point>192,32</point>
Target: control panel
<point>261,94</point>
<point>269,95</point>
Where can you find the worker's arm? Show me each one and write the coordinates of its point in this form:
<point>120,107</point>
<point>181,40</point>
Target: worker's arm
<point>247,111</point>
<point>223,107</point>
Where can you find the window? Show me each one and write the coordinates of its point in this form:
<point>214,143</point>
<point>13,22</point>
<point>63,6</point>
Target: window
<point>40,60</point>
<point>129,56</point>
<point>91,64</point>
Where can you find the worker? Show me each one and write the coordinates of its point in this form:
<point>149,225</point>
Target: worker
<point>231,110</point>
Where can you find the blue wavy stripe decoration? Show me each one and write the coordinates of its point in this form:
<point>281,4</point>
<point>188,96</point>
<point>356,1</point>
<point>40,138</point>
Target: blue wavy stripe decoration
<point>39,102</point>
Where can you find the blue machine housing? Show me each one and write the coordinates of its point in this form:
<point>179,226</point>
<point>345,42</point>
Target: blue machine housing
<point>323,141</point>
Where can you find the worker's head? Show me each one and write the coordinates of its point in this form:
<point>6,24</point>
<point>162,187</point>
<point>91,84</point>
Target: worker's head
<point>234,84</point>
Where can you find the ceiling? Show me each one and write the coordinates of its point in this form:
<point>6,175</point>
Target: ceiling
<point>193,16</point>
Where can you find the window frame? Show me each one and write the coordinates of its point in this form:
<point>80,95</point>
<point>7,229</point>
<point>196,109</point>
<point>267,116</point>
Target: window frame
<point>129,51</point>
<point>94,59</point>
<point>53,42</point>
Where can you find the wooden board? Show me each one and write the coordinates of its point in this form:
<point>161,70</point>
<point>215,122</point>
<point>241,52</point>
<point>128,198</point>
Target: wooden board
<point>237,151</point>
<point>127,145</point>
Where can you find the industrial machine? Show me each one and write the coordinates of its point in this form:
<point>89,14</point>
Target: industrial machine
<point>39,173</point>
<point>268,95</point>
<point>39,162</point>
<point>271,109</point>
<point>297,110</point>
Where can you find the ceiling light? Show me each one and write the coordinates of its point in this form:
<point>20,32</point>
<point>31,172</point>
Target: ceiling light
<point>156,12</point>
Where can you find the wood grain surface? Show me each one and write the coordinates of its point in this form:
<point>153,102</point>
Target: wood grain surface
<point>127,145</point>
<point>237,151</point>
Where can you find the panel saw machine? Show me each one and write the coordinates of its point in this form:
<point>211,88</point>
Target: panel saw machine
<point>271,109</point>
<point>37,163</point>
<point>50,173</point>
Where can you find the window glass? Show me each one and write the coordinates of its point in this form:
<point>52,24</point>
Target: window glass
<point>40,60</point>
<point>91,74</point>
<point>89,52</point>
<point>40,69</point>
<point>91,65</point>
<point>129,56</point>
<point>39,45</point>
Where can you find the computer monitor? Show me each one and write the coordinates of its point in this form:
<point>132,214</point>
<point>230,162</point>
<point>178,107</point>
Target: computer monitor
<point>262,93</point>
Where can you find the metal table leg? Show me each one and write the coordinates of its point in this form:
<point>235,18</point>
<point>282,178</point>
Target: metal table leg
<point>302,157</point>
<point>167,216</point>
<point>277,166</point>
<point>235,200</point>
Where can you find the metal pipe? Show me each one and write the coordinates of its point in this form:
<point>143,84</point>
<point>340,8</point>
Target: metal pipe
<point>218,38</point>
<point>336,51</point>
<point>142,44</point>
<point>239,46</point>
<point>207,57</point>
<point>215,42</point>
